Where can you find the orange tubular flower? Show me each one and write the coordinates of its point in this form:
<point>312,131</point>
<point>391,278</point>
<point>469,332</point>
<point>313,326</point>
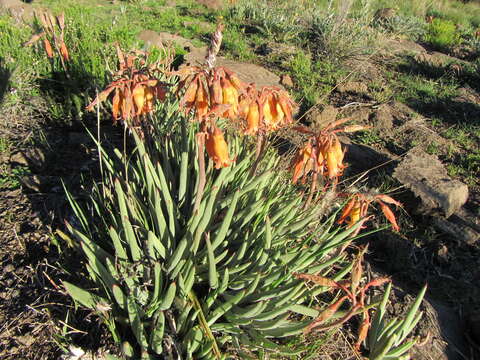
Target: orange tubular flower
<point>138,95</point>
<point>302,163</point>
<point>253,119</point>
<point>217,148</point>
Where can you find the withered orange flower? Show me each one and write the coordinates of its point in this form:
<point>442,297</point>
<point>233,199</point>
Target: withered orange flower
<point>357,207</point>
<point>217,148</point>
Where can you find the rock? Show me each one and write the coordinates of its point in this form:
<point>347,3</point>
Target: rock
<point>8,268</point>
<point>426,176</point>
<point>79,138</point>
<point>33,158</point>
<point>286,80</point>
<point>383,118</point>
<point>247,72</point>
<point>457,230</point>
<point>319,118</point>
<point>363,157</point>
<point>462,225</point>
<point>442,333</point>
<point>384,14</point>
<point>39,183</point>
<point>212,4</point>
<point>25,340</point>
<point>19,10</point>
<point>355,87</point>
<point>401,46</point>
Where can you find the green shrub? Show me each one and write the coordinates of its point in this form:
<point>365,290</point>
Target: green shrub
<point>409,26</point>
<point>442,34</point>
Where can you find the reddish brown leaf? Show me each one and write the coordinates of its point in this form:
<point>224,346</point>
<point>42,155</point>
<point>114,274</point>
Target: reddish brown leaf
<point>390,216</point>
<point>325,314</point>
<point>317,279</point>
<point>346,210</point>
<point>363,330</point>
<point>64,52</point>
<point>48,48</point>
<point>100,98</point>
<point>389,200</point>
<point>34,39</point>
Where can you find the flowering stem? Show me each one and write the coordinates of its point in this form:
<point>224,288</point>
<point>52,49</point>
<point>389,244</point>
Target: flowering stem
<point>259,151</point>
<point>214,47</point>
<point>201,170</point>
<point>313,187</point>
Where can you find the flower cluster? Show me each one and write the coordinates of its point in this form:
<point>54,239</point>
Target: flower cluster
<point>135,88</point>
<point>357,207</point>
<point>53,32</point>
<point>323,153</point>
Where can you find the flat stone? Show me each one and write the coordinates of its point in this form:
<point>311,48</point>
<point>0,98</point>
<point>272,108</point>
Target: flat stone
<point>457,229</point>
<point>426,176</point>
<point>25,340</point>
<point>212,4</point>
<point>363,157</point>
<point>399,46</point>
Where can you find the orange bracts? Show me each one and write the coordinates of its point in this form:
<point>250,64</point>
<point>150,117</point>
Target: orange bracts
<point>217,148</point>
<point>357,207</point>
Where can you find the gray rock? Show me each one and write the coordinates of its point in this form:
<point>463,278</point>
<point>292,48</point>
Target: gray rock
<point>25,340</point>
<point>286,80</point>
<point>426,176</point>
<point>457,229</point>
<point>9,268</point>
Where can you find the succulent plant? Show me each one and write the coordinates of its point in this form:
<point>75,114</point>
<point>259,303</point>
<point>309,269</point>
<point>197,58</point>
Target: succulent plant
<point>170,278</point>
